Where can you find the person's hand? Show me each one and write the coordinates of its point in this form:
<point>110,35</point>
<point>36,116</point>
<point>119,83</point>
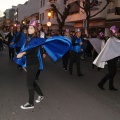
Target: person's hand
<point>44,55</point>
<point>81,50</point>
<point>81,43</point>
<point>19,55</point>
<point>11,43</point>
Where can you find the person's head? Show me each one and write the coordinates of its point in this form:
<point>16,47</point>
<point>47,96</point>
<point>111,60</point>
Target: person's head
<point>4,29</point>
<point>78,32</point>
<point>11,28</point>
<point>25,30</point>
<point>39,26</point>
<point>18,27</point>
<point>67,32</point>
<point>113,30</point>
<point>101,35</point>
<point>32,28</point>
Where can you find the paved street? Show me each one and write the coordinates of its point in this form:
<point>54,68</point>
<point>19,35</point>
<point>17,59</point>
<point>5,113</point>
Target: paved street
<point>67,97</point>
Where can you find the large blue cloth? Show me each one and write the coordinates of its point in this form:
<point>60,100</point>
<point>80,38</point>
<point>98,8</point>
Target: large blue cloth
<point>55,47</point>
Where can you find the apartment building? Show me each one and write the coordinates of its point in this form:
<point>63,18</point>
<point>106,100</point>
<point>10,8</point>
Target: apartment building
<point>38,10</point>
<point>43,14</point>
<point>9,15</point>
<point>113,15</point>
<point>29,10</point>
<point>101,22</point>
<point>96,23</point>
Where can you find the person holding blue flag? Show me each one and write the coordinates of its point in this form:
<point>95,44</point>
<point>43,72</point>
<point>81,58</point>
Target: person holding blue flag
<point>30,57</point>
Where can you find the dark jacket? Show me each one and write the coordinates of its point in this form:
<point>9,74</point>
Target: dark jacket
<point>10,37</point>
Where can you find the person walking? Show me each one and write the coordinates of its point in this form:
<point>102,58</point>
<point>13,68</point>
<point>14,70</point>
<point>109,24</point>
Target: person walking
<point>76,50</point>
<point>30,56</point>
<point>18,41</point>
<point>112,46</point>
<point>10,36</point>
<point>32,66</point>
<point>66,57</point>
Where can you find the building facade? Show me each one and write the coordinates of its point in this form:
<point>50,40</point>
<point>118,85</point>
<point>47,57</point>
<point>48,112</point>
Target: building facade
<point>100,22</point>
<point>45,8</point>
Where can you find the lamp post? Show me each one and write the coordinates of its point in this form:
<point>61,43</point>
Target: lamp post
<point>49,23</point>
<point>49,15</point>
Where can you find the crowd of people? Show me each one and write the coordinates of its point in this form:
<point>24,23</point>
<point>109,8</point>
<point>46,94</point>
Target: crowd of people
<point>31,44</point>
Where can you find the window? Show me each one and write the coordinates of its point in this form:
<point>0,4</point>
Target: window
<point>42,16</point>
<point>42,3</point>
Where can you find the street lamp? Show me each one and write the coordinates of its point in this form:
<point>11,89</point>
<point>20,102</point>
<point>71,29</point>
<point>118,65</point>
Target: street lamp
<point>23,22</point>
<point>49,14</point>
<point>49,23</point>
<point>15,25</point>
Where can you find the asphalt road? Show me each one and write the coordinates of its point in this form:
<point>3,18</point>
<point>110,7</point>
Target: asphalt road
<point>66,97</point>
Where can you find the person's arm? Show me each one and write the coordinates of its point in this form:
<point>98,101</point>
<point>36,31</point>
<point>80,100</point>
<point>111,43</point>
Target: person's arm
<point>73,42</point>
<point>19,55</point>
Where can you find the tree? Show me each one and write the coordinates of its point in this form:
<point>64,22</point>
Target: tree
<point>88,5</point>
<point>61,17</point>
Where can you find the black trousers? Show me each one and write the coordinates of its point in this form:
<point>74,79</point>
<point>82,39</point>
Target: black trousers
<point>112,66</point>
<point>74,58</point>
<point>31,83</point>
<point>65,59</point>
<point>11,53</point>
<point>38,74</point>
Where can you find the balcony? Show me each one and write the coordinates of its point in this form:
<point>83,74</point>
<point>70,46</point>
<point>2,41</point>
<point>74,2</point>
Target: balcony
<point>111,14</point>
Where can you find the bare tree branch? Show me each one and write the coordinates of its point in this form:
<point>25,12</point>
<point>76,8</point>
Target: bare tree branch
<point>78,4</point>
<point>100,10</point>
<point>61,17</point>
<point>56,10</point>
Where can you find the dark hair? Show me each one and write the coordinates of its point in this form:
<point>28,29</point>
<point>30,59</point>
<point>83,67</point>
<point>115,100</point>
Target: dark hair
<point>33,35</point>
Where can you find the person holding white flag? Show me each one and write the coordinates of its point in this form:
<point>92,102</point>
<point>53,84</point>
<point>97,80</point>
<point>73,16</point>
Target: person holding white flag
<point>109,54</point>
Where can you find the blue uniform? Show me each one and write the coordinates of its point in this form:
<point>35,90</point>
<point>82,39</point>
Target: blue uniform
<point>76,47</point>
<point>75,55</point>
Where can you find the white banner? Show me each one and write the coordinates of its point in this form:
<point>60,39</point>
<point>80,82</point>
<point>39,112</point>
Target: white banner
<point>110,51</point>
<point>96,43</point>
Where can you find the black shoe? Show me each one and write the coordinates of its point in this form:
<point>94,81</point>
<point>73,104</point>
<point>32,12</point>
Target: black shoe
<point>80,74</point>
<point>101,86</point>
<point>113,89</point>
<point>27,106</point>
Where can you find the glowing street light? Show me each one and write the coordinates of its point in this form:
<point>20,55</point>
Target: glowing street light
<point>15,25</point>
<point>49,14</point>
<point>49,24</point>
<point>23,22</point>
